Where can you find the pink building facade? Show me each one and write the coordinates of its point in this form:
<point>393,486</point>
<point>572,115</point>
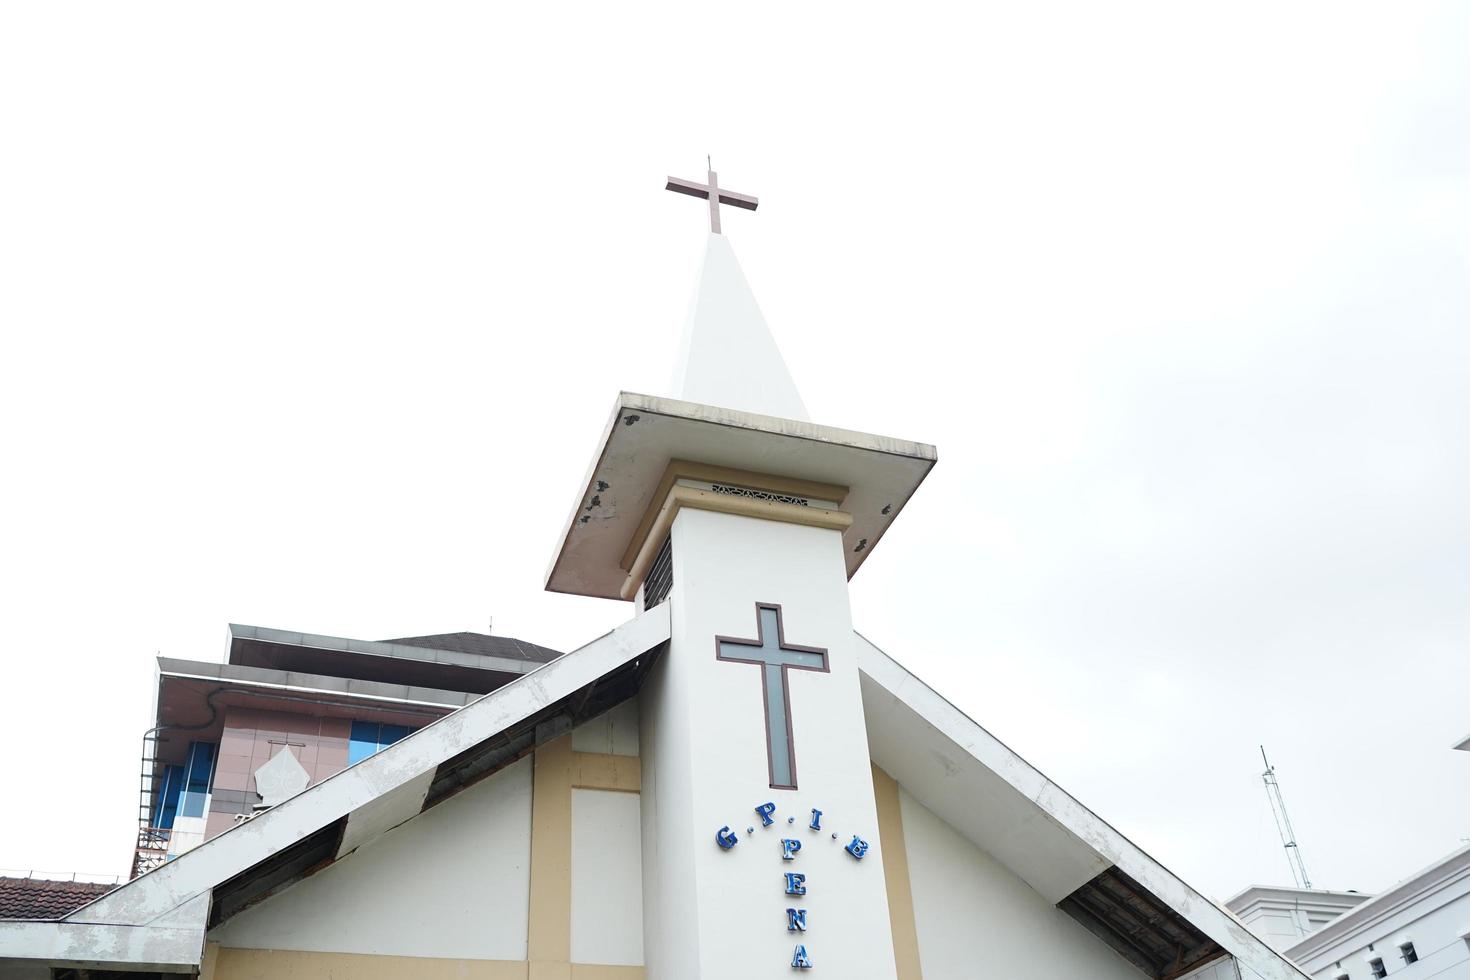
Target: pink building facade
<point>328,701</point>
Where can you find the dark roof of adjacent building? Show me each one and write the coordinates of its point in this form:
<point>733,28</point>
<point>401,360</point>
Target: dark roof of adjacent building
<point>464,662</point>
<point>43,898</point>
<point>483,644</point>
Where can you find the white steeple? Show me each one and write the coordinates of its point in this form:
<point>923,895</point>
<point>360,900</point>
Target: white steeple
<point>727,356</point>
<point>734,439</point>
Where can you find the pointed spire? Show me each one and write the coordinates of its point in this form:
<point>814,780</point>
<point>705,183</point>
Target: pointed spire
<point>728,357</point>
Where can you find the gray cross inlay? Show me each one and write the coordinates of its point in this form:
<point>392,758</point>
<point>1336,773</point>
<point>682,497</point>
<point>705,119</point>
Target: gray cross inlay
<point>774,656</point>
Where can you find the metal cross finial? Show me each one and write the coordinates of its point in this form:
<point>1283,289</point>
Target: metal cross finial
<point>716,194</point>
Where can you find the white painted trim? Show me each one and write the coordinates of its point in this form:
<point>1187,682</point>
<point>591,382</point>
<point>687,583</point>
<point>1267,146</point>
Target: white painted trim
<point>1060,806</point>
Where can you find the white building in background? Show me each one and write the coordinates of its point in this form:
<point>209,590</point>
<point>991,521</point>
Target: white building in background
<point>1285,916</point>
<point>1415,930</point>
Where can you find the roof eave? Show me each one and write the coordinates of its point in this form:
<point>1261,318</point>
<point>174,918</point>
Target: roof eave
<point>374,648</point>
<point>964,734</point>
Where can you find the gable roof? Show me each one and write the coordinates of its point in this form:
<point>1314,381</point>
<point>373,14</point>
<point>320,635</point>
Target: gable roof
<point>946,761</point>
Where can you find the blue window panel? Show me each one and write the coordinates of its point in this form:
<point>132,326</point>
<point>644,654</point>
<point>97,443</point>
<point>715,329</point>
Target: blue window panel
<point>167,804</point>
<point>197,779</point>
<point>192,804</point>
<point>364,741</point>
<point>201,766</point>
<point>369,738</point>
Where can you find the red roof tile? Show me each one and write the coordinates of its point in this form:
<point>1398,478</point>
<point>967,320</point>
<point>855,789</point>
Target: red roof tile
<point>41,898</point>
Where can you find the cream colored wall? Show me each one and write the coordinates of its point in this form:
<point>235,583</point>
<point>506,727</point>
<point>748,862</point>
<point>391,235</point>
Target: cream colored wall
<point>976,919</point>
<point>534,874</point>
<point>896,877</point>
<point>452,882</point>
<point>265,964</point>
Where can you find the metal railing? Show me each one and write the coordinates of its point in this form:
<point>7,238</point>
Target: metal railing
<point>152,849</point>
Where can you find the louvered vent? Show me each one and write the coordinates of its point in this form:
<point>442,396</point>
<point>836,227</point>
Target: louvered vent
<point>660,576</point>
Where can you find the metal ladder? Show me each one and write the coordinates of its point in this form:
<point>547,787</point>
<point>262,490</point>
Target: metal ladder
<point>152,847</point>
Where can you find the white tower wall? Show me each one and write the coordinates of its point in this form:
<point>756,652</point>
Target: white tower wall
<point>719,913</point>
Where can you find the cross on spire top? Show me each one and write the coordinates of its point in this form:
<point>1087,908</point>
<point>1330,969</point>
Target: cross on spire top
<point>716,195</point>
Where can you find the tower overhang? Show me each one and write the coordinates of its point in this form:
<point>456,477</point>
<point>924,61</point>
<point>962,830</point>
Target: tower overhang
<point>658,454</point>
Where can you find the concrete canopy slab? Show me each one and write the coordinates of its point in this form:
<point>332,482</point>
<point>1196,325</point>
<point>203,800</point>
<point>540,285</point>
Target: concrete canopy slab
<point>349,691</point>
<point>340,656</point>
<point>646,433</point>
<point>172,942</point>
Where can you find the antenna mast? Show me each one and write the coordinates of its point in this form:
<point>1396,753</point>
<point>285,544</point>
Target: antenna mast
<point>1283,824</point>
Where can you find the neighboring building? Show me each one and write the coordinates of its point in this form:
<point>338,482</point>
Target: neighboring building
<point>1284,916</point>
<point>323,702</point>
<point>732,784</point>
<point>1415,930</point>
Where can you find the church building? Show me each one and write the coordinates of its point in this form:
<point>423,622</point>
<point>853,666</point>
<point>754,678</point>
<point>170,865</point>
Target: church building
<point>734,784</point>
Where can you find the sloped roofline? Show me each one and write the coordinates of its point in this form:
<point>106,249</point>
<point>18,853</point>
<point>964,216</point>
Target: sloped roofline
<point>1057,804</point>
<point>371,797</point>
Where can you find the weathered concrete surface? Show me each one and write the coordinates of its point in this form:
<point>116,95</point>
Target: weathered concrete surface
<point>173,941</point>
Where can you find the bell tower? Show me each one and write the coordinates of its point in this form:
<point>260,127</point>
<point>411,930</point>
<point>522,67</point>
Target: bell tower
<point>747,521</point>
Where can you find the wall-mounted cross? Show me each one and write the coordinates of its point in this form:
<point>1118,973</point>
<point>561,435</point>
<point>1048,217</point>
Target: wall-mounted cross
<point>717,195</point>
<point>775,656</point>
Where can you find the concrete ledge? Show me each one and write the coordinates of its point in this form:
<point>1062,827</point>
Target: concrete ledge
<point>373,648</point>
<point>292,680</point>
<point>171,943</point>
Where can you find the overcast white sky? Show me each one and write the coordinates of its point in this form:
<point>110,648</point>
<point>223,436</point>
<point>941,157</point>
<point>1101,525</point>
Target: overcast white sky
<point>313,313</point>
